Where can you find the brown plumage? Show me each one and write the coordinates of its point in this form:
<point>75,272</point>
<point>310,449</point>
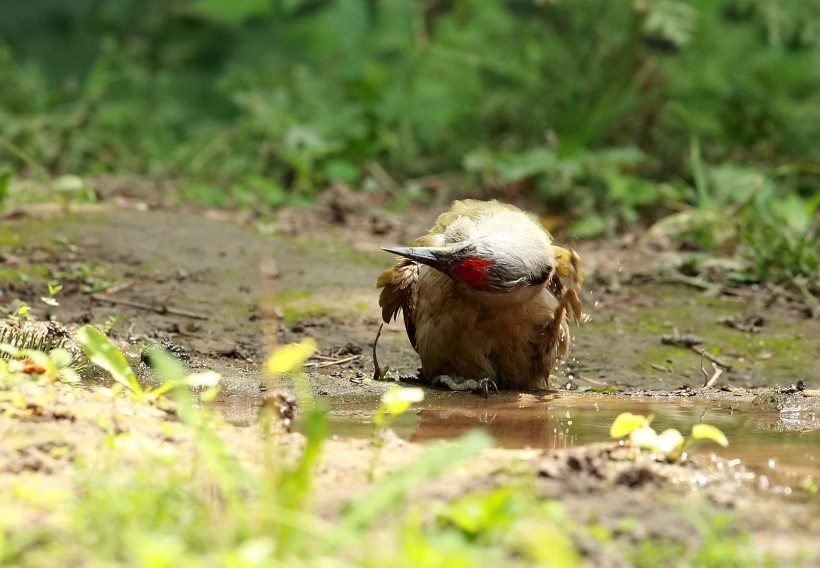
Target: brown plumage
<point>485,297</point>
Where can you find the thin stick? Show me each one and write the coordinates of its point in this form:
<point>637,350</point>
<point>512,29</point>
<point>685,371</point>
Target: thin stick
<point>324,357</point>
<point>712,358</point>
<point>324,364</point>
<point>148,307</point>
<point>715,377</point>
<point>591,381</point>
<point>675,278</point>
<point>702,370</point>
<point>118,287</point>
<point>377,371</point>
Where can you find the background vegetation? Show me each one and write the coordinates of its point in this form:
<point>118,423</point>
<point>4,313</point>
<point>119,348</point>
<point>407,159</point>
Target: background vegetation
<point>608,112</point>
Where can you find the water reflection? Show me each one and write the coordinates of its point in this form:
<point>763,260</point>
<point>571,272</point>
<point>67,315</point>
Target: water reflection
<point>769,442</point>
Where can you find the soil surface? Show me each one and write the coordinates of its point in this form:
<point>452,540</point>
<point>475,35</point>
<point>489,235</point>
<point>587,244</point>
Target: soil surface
<point>222,289</point>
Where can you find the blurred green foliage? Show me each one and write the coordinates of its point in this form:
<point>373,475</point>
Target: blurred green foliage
<point>588,106</point>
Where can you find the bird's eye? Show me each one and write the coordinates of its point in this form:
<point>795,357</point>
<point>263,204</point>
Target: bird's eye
<point>472,271</point>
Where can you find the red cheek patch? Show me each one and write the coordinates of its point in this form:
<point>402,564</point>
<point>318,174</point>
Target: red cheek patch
<point>472,271</point>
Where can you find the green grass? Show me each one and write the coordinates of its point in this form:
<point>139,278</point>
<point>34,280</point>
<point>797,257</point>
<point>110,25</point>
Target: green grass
<point>179,488</point>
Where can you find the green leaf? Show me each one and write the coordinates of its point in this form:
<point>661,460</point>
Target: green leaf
<point>709,432</point>
<point>626,423</point>
<point>68,184</point>
<point>435,459</point>
<point>590,225</point>
<point>166,366</point>
<point>289,358</point>
<point>103,353</point>
<point>5,179</point>
<point>233,13</point>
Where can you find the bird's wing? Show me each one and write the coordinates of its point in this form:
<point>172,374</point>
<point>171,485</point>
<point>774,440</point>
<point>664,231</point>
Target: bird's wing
<point>567,280</point>
<point>398,284</point>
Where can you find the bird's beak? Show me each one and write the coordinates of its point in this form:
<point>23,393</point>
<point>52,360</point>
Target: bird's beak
<point>436,257</point>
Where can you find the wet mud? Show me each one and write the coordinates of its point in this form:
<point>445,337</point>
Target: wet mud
<point>225,292</point>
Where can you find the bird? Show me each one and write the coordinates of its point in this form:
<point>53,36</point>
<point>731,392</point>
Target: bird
<point>486,298</point>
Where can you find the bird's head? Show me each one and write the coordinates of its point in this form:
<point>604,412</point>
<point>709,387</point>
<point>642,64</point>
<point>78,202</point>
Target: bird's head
<point>485,266</point>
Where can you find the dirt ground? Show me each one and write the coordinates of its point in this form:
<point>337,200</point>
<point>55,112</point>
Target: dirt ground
<point>223,288</point>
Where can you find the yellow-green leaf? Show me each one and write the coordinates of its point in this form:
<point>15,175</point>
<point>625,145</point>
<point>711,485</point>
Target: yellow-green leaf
<point>625,423</point>
<point>103,353</point>
<point>709,432</point>
<point>290,357</point>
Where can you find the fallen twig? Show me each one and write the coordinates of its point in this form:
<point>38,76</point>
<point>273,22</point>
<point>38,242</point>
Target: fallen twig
<point>118,287</point>
<point>148,307</point>
<point>377,372</point>
<point>751,323</point>
<point>692,342</point>
<point>701,284</point>
<point>324,357</point>
<point>713,358</point>
<point>681,340</point>
<point>595,382</point>
<point>707,380</point>
<point>323,364</point>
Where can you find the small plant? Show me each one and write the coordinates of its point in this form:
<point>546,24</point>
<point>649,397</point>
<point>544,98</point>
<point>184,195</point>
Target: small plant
<point>55,365</point>
<point>670,443</point>
<point>395,402</point>
<point>105,354</point>
<point>53,289</point>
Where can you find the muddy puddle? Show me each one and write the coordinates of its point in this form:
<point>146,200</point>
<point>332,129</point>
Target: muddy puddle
<point>783,455</point>
<point>781,446</point>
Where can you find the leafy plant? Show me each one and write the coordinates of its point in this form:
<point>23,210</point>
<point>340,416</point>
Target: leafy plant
<point>102,352</point>
<point>670,443</point>
<point>395,402</point>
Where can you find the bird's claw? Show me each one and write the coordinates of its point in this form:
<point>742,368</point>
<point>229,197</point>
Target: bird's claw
<point>484,387</point>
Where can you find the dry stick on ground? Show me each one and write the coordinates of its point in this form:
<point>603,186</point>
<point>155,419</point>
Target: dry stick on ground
<point>323,364</point>
<point>692,342</point>
<point>712,358</point>
<point>701,284</point>
<point>715,377</point>
<point>148,307</point>
<point>118,287</point>
<point>591,381</point>
<point>377,372</point>
<point>709,381</point>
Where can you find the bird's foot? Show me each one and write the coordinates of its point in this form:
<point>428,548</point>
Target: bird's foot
<point>484,386</point>
<point>453,383</point>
